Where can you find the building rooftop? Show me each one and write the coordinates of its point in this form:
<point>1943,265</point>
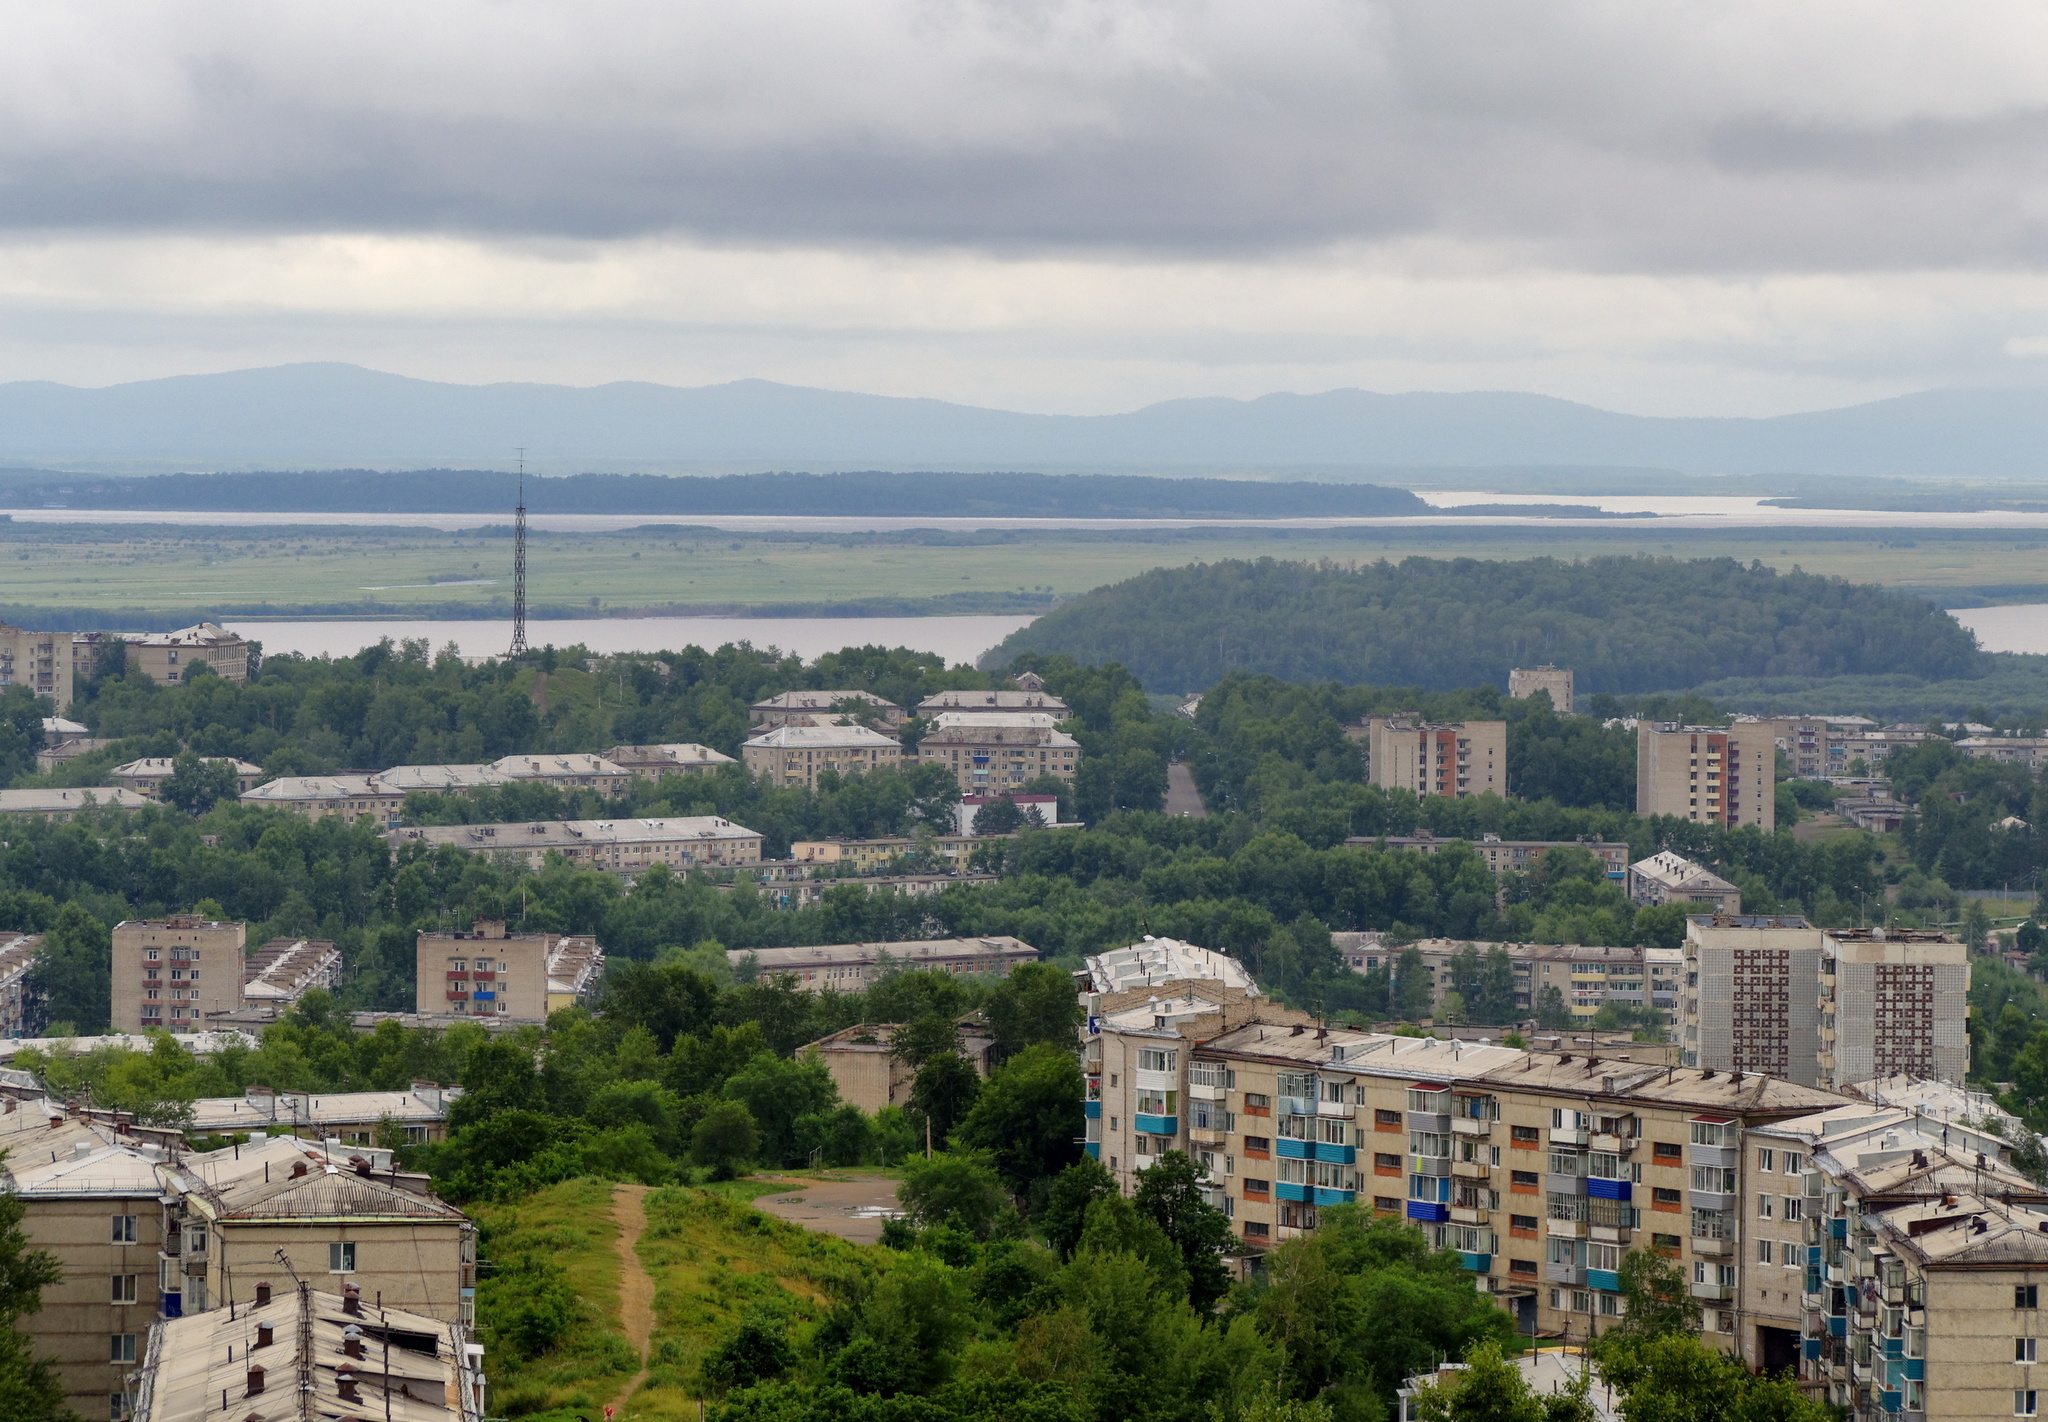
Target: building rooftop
<point>824,738</point>
<point>24,802</point>
<point>1748,920</point>
<point>442,778</point>
<point>556,766</point>
<point>819,701</point>
<point>1966,1231</point>
<point>317,787</point>
<point>1156,961</point>
<point>1678,874</point>
<point>909,952</point>
<point>285,967</point>
<point>668,753</point>
<point>164,765</point>
<point>199,634</point>
<point>549,833</point>
<point>984,702</point>
<point>258,1108</point>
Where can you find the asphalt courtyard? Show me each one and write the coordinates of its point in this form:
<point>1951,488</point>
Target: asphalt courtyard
<point>851,1208</point>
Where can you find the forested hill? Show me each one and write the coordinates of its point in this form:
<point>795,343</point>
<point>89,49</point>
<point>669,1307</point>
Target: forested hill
<point>895,495</point>
<point>1622,624</point>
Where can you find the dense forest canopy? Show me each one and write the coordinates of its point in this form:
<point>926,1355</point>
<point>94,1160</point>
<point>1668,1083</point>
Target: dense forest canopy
<point>1623,625</point>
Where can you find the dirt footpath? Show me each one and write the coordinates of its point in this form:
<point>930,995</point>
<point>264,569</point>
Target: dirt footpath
<point>636,1290</point>
<point>852,1209</point>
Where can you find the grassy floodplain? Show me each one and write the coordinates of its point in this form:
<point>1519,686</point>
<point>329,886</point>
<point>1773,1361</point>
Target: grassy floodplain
<point>170,571</point>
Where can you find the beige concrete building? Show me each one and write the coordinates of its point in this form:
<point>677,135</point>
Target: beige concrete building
<point>1527,681</point>
<point>17,956</point>
<point>820,708</point>
<point>990,752</point>
<point>870,1077</point>
<point>166,657</point>
<point>1454,760</point>
<point>1709,774</point>
<point>1893,1002</point>
<point>1506,856</point>
<point>338,1217</point>
<point>172,974</point>
<point>441,779</point>
<point>63,804</point>
<point>355,1358</point>
<point>576,770</point>
<point>989,703</point>
<point>317,796</point>
<point>146,776</point>
<point>40,661</point>
<point>869,856</point>
<point>1668,878</point>
<point>617,846</point>
<point>282,971</point>
<point>1816,747</point>
<point>354,1118</point>
<point>680,758</point>
<point>852,967</point>
<point>1752,997</point>
<point>795,754</point>
<point>484,972</point>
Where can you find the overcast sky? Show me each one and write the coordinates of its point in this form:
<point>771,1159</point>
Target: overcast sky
<point>1669,208</point>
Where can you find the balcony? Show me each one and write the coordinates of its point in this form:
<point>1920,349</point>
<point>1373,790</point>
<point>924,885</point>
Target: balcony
<point>1435,1122</point>
<point>1563,1136</point>
<point>1606,1279</point>
<point>1724,1157</point>
<point>1564,1273</point>
<point>1429,1165</point>
<point>1199,1092</point>
<point>1460,1214</point>
<point>1564,1184</point>
<point>1336,1110</point>
<point>1477,1263</point>
<point>1208,1135</point>
<point>1599,1189</point>
<point>1614,1144</point>
<point>1713,1293</point>
<point>1708,1247</point>
<point>1429,1211</point>
<point>1333,1154</point>
<point>1471,1170</point>
<point>1157,1125</point>
<point>1567,1229</point>
<point>1467,1126</point>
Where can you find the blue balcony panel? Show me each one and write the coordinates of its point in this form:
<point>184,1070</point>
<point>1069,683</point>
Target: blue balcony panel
<point>1094,1149</point>
<point>1477,1263</point>
<point>1916,1370</point>
<point>1092,1110</point>
<point>1293,1150</point>
<point>1809,1349</point>
<point>1838,1324</point>
<point>1604,1279</point>
<point>1297,1193</point>
<point>1157,1125</point>
<point>1890,1400</point>
<point>1838,1228</point>
<point>1336,1154</point>
<point>1327,1196</point>
<point>1428,1210</point>
<point>1608,1189</point>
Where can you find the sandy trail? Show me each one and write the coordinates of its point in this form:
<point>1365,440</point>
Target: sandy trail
<point>636,1290</point>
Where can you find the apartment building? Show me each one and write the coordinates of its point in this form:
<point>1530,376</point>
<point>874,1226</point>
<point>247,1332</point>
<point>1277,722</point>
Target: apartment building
<point>868,856</point>
<point>1454,760</point>
<point>870,1076</point>
<point>1047,808</point>
<point>440,779</point>
<point>1505,856</point>
<point>1815,747</point>
<point>1752,996</point>
<point>277,1207</point>
<point>1893,1002</point>
<point>1527,681</point>
<point>571,770</point>
<point>797,754</point>
<point>17,956</point>
<point>1587,977</point>
<point>616,846</point>
<point>315,797</point>
<point>1668,878</point>
<point>2030,751</point>
<point>1724,775</point>
<point>992,703</point>
<point>488,972</point>
<point>146,776</point>
<point>61,805</point>
<point>820,708</point>
<point>419,1115</point>
<point>852,967</point>
<point>310,1352</point>
<point>171,974</point>
<point>40,661</point>
<point>1540,1169</point>
<point>1159,962</point>
<point>282,971</point>
<point>800,893</point>
<point>675,758</point>
<point>168,657</point>
<point>990,752</point>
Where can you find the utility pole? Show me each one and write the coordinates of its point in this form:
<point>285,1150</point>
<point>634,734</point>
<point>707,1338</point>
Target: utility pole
<point>519,565</point>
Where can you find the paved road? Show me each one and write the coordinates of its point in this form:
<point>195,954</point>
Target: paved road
<point>852,1209</point>
<point>1181,796</point>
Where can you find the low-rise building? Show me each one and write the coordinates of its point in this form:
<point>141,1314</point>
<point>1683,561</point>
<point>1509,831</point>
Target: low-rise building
<point>793,754</point>
<point>282,971</point>
<point>17,957</point>
<point>318,796</point>
<point>417,1115</point>
<point>1455,760</point>
<point>2029,751</point>
<point>1557,681</point>
<point>146,776</point>
<point>618,846</point>
<point>1045,807</point>
<point>307,1352</point>
<point>1815,747</point>
<point>488,972</point>
<point>818,708</point>
<point>55,757</point>
<point>990,703</point>
<point>869,1074</point>
<point>441,779</point>
<point>853,967</point>
<point>867,856</point>
<point>1668,878</point>
<point>677,758</point>
<point>63,804</point>
<point>173,974</point>
<point>40,661</point>
<point>1880,814</point>
<point>167,658</point>
<point>1504,856</point>
<point>1160,962</point>
<point>803,893</point>
<point>569,770</point>
<point>992,752</point>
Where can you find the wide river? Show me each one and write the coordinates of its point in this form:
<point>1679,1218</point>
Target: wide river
<point>957,639</point>
<point>2021,627</point>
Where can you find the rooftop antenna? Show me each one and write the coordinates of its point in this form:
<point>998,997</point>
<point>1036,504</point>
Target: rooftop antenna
<point>519,565</point>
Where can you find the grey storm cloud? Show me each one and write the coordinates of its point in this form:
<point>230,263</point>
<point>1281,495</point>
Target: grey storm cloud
<point>1737,137</point>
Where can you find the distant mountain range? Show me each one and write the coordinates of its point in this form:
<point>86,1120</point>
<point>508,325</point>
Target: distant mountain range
<point>328,416</point>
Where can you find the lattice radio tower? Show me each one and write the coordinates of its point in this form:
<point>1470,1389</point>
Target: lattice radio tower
<point>519,565</point>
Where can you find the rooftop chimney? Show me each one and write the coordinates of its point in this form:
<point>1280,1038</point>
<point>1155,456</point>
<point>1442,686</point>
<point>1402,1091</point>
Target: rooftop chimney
<point>255,1381</point>
<point>263,1293</point>
<point>298,1169</point>
<point>352,1300</point>
<point>263,1331</point>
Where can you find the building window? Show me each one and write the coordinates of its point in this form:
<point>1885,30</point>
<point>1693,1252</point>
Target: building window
<point>1668,1150</point>
<point>2026,1295</point>
<point>1763,1207</point>
<point>2023,1350</point>
<point>124,1229</point>
<point>120,1347</point>
<point>2026,1402</point>
<point>120,1406</point>
<point>123,1291</point>
<point>341,1256</point>
<point>1766,1160</point>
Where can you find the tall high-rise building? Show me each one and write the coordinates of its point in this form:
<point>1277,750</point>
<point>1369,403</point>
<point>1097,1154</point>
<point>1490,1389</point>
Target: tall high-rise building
<point>1723,775</point>
<point>171,974</point>
<point>1893,1002</point>
<point>1751,1001</point>
<point>1455,759</point>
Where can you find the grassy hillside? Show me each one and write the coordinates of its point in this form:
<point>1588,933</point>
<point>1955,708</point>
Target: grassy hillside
<point>1623,625</point>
